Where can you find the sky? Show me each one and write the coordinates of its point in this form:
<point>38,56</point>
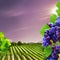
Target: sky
<point>21,20</point>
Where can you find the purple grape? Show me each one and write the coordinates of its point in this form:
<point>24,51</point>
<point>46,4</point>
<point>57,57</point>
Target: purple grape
<point>47,31</point>
<point>58,19</point>
<point>57,23</point>
<point>54,38</point>
<point>52,30</point>
<point>58,28</point>
<point>53,47</point>
<point>45,35</point>
<point>51,25</point>
<point>54,55</point>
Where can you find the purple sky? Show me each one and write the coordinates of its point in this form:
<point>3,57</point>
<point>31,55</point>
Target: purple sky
<point>22,19</point>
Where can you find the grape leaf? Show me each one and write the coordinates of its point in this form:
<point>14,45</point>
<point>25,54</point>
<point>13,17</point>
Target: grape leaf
<point>58,12</point>
<point>43,29</point>
<point>4,43</point>
<point>1,34</point>
<point>58,4</point>
<point>52,18</point>
<point>47,50</point>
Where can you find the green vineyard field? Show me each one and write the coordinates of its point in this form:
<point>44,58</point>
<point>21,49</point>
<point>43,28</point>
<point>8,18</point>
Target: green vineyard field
<point>24,52</point>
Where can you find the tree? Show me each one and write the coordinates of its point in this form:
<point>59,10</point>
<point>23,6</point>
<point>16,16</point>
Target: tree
<point>19,43</point>
<point>13,43</point>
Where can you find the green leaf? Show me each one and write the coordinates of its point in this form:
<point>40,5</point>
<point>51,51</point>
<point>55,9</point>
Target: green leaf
<point>1,34</point>
<point>52,18</point>
<point>43,29</point>
<point>58,4</point>
<point>0,42</point>
<point>58,12</point>
<point>4,43</point>
<point>47,50</point>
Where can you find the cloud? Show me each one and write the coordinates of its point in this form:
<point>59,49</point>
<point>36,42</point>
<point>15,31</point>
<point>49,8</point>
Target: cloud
<point>13,13</point>
<point>19,29</point>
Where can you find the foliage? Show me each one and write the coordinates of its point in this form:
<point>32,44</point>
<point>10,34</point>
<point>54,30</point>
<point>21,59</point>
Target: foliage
<point>13,43</point>
<point>47,50</point>
<point>4,43</point>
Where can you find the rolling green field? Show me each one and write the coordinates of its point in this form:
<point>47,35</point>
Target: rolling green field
<point>24,52</point>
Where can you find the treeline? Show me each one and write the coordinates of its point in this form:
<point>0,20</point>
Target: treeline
<point>20,43</point>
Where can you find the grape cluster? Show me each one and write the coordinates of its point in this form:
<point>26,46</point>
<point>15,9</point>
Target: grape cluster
<point>52,38</point>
